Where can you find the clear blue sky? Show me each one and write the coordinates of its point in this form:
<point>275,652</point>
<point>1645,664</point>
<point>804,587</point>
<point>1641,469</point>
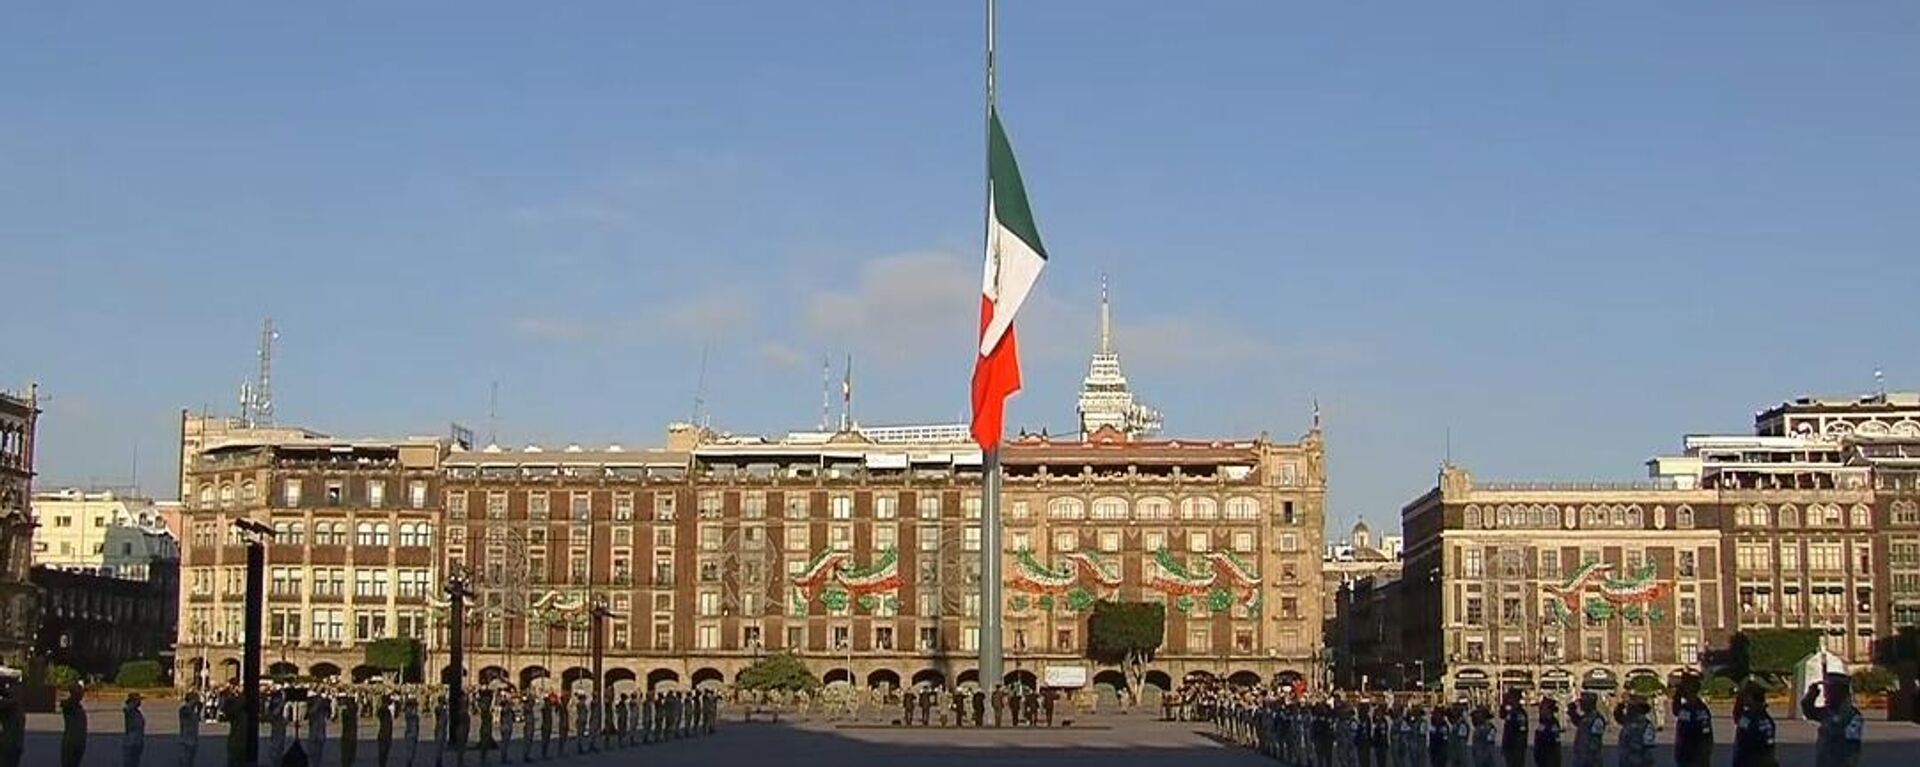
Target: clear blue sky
<point>1570,232</point>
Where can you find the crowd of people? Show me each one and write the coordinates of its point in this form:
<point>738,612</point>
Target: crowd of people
<point>1337,730</point>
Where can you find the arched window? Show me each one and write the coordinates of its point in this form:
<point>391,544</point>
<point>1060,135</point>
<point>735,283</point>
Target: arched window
<point>363,535</point>
<point>1066,508</point>
<point>1859,516</point>
<point>1110,507</point>
<point>1906,513</point>
<point>226,495</point>
<point>1473,517</point>
<point>382,534</point>
<point>1153,508</point>
<point>1789,516</point>
<point>248,492</point>
<point>1616,516</point>
<point>1503,516</point>
<point>1243,507</point>
<point>1199,508</point>
<point>1634,518</point>
<point>296,533</point>
<point>206,496</point>
<point>1683,517</point>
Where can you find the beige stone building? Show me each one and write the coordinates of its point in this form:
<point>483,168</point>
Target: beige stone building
<point>353,557</point>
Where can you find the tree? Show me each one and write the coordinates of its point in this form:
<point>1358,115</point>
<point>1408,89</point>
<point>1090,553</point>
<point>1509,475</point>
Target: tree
<point>62,676</point>
<point>1645,686</point>
<point>399,655</point>
<point>779,671</point>
<point>1770,654</point>
<point>138,673</point>
<point>1719,687</point>
<point>1127,634</point>
<point>1873,679</point>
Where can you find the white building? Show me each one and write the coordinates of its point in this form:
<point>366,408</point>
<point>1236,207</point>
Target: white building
<point>1105,399</point>
<point>100,532</point>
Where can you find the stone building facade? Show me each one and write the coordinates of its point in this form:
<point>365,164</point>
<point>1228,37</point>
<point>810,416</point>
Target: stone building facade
<point>19,599</point>
<point>353,558</point>
<point>1812,521</point>
<point>860,555</point>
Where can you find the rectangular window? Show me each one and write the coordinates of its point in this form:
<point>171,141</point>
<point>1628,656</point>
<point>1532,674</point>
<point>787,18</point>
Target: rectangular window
<point>417,494</point>
<point>885,537</point>
<point>929,537</point>
<point>840,507</point>
<point>623,507</point>
<point>1243,541</point>
<point>1685,563</point>
<point>1476,565</point>
<point>970,507</point>
<point>886,506</point>
<point>796,506</point>
<point>710,537</point>
<point>496,505</point>
<point>1550,563</point>
<point>796,538</point>
<point>291,496</point>
<point>753,505</point>
<point>376,493</point>
<point>1109,540</point>
<point>1197,541</point>
<point>970,539</point>
<point>663,507</point>
<point>710,504</point>
<point>537,504</point>
<point>581,508</point>
<point>1066,540</point>
<point>1199,640</point>
<point>929,506</point>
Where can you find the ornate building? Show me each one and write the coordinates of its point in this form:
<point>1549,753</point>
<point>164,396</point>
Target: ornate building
<point>1106,402</point>
<point>860,556</point>
<point>19,598</point>
<point>1811,522</point>
<point>353,556</point>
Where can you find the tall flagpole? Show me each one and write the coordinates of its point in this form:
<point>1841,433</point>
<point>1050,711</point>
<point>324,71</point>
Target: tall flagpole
<point>991,663</point>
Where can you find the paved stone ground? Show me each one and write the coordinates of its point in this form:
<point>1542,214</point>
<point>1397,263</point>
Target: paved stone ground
<point>1106,741</point>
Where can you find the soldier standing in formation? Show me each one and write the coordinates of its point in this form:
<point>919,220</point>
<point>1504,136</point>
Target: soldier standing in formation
<point>1486,751</point>
<point>189,729</point>
<point>583,723</point>
<point>526,728</point>
<point>1636,733</point>
<point>13,723</point>
<point>319,713</point>
<point>1753,729</point>
<point>979,708</point>
<point>1692,726</point>
<point>73,717</point>
<point>507,712</point>
<point>442,730</point>
<point>1842,726</point>
<point>349,730</point>
<point>382,730</point>
<point>1513,730</point>
<point>133,738</point>
<point>1590,731</point>
<point>1546,735</point>
<point>1437,732</point>
<point>410,714</point>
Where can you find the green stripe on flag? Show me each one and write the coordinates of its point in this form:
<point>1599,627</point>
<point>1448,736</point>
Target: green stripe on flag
<point>1009,195</point>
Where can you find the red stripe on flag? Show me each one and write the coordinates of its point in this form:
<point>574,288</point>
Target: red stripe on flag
<point>996,377</point>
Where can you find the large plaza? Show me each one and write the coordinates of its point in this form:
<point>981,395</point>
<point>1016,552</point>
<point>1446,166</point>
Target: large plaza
<point>1115,739</point>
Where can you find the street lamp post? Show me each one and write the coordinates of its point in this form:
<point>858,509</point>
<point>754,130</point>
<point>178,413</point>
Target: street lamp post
<point>256,534</point>
<point>598,615</point>
<point>459,589</point>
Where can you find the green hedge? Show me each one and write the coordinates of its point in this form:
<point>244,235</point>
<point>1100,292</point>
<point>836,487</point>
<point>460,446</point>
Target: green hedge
<point>139,673</point>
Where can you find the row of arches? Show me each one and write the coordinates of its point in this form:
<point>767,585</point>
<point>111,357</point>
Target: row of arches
<point>707,677</point>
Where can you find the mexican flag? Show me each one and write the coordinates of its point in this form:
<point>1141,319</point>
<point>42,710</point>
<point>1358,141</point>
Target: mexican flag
<point>1014,259</point>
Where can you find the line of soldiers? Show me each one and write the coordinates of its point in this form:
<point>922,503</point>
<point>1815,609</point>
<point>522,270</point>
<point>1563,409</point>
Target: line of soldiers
<point>1019,706</point>
<point>625,720</point>
<point>1333,732</point>
<point>621,721</point>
